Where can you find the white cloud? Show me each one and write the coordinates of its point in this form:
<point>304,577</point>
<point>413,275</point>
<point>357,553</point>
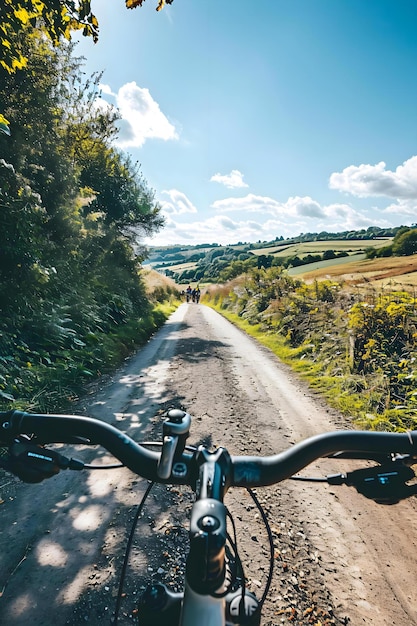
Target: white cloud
<point>407,208</point>
<point>177,204</point>
<point>224,230</point>
<point>141,116</point>
<point>103,106</point>
<point>106,89</point>
<point>375,180</point>
<point>274,218</point>
<point>341,217</point>
<point>293,207</point>
<point>288,219</point>
<point>249,203</point>
<point>303,214</point>
<point>234,180</point>
<point>303,207</point>
<point>217,229</point>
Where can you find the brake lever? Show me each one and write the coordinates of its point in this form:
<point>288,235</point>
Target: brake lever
<point>33,463</point>
<point>385,484</point>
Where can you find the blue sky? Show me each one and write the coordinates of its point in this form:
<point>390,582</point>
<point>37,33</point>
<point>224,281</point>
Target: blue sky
<point>256,119</point>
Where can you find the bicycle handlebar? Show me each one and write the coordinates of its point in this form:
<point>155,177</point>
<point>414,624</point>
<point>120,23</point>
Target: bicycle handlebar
<point>51,428</point>
<point>246,471</point>
<point>261,471</point>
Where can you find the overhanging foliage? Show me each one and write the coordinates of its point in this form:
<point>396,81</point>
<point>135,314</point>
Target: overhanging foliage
<point>72,301</point>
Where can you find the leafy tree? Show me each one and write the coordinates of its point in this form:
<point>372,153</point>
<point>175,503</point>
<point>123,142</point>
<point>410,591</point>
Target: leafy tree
<point>265,260</point>
<point>22,270</point>
<point>71,295</point>
<point>213,254</point>
<point>32,103</point>
<point>405,243</point>
<point>311,258</point>
<point>385,251</point>
<point>121,195</point>
<point>196,257</point>
<point>370,252</point>
<point>131,4</point>
<point>69,267</point>
<point>56,19</point>
<point>236,268</point>
<point>4,125</point>
<point>329,254</point>
<point>293,261</point>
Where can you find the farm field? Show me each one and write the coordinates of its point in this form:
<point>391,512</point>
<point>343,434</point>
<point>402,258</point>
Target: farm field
<point>391,272</point>
<point>352,246</point>
<point>321,266</point>
<point>352,267</point>
<point>154,280</point>
<point>180,267</point>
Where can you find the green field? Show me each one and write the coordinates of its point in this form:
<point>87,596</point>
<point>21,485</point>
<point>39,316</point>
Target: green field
<point>316,247</point>
<point>180,267</point>
<point>353,249</point>
<point>321,265</point>
<point>384,273</point>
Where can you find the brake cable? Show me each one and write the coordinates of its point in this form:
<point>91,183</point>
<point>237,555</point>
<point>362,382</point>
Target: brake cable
<point>132,530</point>
<point>309,479</point>
<point>128,549</point>
<point>271,546</point>
<point>235,563</point>
<point>232,541</point>
<point>90,466</point>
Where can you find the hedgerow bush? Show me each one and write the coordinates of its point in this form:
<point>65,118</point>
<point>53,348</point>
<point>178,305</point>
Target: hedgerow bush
<point>359,350</point>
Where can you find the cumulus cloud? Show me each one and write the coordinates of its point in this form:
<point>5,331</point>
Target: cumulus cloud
<point>177,203</point>
<point>303,207</point>
<point>297,214</point>
<point>249,203</point>
<point>294,206</point>
<point>224,230</point>
<point>375,180</point>
<point>407,208</point>
<point>219,229</point>
<point>141,116</point>
<point>272,218</point>
<point>341,217</point>
<point>106,89</point>
<point>234,180</point>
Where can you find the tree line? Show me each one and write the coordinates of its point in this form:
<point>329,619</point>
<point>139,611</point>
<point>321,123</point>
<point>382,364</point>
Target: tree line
<point>223,263</point>
<point>73,208</point>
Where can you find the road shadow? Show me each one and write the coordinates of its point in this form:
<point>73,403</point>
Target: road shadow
<point>194,349</point>
<point>62,542</point>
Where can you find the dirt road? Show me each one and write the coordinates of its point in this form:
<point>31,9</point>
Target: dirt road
<point>339,558</point>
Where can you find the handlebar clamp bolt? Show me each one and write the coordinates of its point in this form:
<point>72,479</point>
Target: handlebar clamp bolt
<point>208,523</point>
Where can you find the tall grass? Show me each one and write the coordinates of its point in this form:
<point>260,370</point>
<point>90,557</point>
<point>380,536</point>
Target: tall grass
<point>51,379</point>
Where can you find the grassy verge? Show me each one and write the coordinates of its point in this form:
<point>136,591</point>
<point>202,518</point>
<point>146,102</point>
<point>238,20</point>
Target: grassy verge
<point>37,382</point>
<point>352,396</point>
